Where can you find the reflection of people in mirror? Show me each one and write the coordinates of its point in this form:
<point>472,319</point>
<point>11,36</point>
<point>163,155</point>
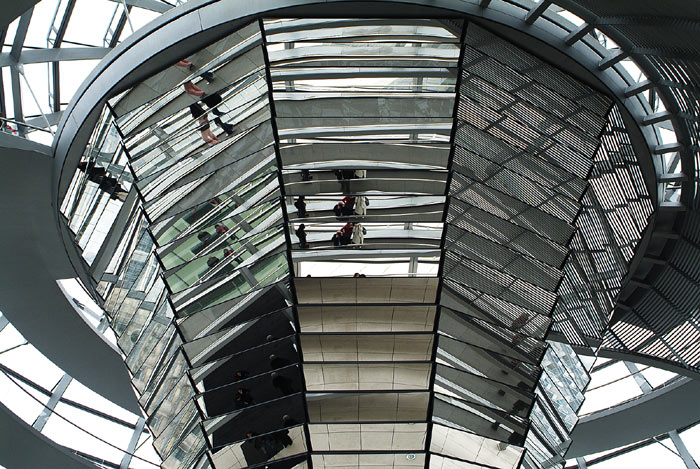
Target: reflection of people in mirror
<point>242,398</point>
<point>277,362</point>
<point>300,205</point>
<point>107,184</point>
<point>301,234</point>
<point>282,383</point>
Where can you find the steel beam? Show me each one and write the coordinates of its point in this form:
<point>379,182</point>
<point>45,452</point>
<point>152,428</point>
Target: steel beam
<point>682,450</point>
<point>612,59</point>
<point>55,398</point>
<point>637,88</point>
<point>20,35</point>
<point>17,99</point>
<point>152,5</point>
<point>128,455</point>
<point>54,54</point>
<point>638,377</point>
<point>537,11</point>
<point>578,33</point>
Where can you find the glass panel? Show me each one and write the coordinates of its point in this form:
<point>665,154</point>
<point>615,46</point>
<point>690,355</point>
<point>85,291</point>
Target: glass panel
<point>404,347</point>
<point>374,290</point>
<point>259,360</point>
<point>248,391</point>
<point>367,407</point>
<point>368,437</point>
<point>243,336</point>
<point>352,318</point>
<point>346,377</point>
<point>222,259</point>
<point>259,419</point>
<point>176,429</point>
<point>219,206</point>
<point>262,448</point>
<point>187,451</point>
<point>265,272</point>
<point>162,415</point>
<point>470,447</point>
<point>238,310</point>
<point>378,461</point>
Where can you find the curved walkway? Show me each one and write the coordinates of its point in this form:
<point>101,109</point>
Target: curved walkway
<point>34,257</point>
<point>671,407</point>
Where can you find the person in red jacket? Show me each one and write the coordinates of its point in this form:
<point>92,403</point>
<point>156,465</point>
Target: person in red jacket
<point>346,233</point>
<point>347,229</point>
<point>349,202</point>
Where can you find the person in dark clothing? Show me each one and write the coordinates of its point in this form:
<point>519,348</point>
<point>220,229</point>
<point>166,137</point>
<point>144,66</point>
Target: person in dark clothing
<point>339,209</point>
<point>348,205</point>
<point>518,406</point>
<point>300,205</point>
<point>242,398</point>
<point>277,362</point>
<point>346,233</point>
<point>520,321</point>
<point>240,374</point>
<point>283,437</point>
<point>336,239</point>
<point>252,448</point>
<point>282,383</point>
<point>212,261</point>
<point>306,175</point>
<point>301,234</point>
<point>287,421</point>
<point>345,207</point>
<point>203,236</point>
<point>344,176</point>
<point>198,112</point>
<point>107,184</point>
<point>341,238</point>
<point>190,87</point>
<point>349,201</point>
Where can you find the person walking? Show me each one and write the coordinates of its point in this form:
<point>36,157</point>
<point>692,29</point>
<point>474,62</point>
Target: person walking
<point>301,234</point>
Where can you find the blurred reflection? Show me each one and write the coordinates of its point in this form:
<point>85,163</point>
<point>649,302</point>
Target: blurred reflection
<point>259,419</point>
<point>264,271</point>
<point>367,407</point>
<point>250,391</point>
<point>107,184</point>
<point>243,336</point>
<point>482,420</point>
<point>260,448</point>
<point>355,318</point>
<point>368,436</point>
<point>373,460</point>
<point>469,447</point>
<point>254,361</point>
<point>232,313</point>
